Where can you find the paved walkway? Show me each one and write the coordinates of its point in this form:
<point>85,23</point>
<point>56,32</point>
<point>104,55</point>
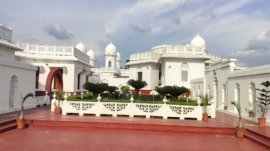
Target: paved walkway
<point>118,140</point>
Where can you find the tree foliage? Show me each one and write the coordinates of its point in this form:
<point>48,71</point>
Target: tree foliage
<point>136,84</point>
<point>125,89</point>
<point>96,88</point>
<point>264,98</point>
<point>112,89</point>
<point>174,91</point>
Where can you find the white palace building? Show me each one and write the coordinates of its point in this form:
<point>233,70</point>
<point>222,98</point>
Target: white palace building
<point>42,69</point>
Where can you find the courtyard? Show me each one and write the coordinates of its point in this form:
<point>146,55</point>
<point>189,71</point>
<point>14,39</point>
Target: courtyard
<point>48,131</point>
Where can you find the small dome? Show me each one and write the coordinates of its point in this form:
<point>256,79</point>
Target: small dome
<point>80,46</point>
<point>91,54</point>
<point>110,49</point>
<point>118,57</point>
<point>198,41</point>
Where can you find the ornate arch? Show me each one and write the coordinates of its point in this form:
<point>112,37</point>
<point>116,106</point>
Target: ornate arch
<point>55,74</point>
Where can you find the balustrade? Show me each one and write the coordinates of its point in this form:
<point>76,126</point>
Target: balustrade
<point>130,109</point>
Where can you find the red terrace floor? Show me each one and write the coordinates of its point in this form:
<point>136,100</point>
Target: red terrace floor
<point>119,139</point>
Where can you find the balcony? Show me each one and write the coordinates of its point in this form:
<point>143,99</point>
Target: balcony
<point>44,51</point>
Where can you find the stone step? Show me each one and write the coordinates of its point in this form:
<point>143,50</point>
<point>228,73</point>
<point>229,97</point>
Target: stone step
<point>71,125</point>
<point>257,137</point>
<point>8,127</point>
<point>5,122</point>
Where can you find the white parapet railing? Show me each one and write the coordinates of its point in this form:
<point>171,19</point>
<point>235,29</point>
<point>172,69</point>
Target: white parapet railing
<point>46,51</point>
<point>129,109</point>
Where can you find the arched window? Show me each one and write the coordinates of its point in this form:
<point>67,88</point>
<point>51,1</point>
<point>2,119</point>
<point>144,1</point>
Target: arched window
<point>79,81</point>
<point>224,103</point>
<point>109,64</point>
<point>237,93</point>
<point>184,72</point>
<point>252,96</point>
<point>13,90</point>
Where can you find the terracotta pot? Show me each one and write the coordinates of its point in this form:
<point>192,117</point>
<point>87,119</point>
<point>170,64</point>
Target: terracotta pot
<point>58,110</point>
<point>225,108</point>
<point>262,121</point>
<point>240,132</point>
<point>205,117</point>
<point>20,124</point>
<point>251,114</point>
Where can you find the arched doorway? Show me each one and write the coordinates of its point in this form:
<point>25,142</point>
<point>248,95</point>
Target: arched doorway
<point>12,91</point>
<point>55,79</point>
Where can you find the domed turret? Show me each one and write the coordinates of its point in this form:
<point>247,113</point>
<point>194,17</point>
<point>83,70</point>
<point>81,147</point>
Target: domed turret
<point>80,46</point>
<point>91,54</point>
<point>198,41</point>
<point>110,50</point>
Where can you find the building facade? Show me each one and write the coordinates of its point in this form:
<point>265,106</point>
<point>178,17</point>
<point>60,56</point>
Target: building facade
<point>227,82</point>
<point>60,68</point>
<point>16,77</point>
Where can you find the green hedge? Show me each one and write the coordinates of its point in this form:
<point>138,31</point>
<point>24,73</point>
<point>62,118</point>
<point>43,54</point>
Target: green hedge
<point>149,98</point>
<point>86,96</point>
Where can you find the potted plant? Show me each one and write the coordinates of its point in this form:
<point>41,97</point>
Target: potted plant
<point>250,110</point>
<point>225,107</point>
<point>251,113</point>
<point>239,129</point>
<point>59,97</point>
<point>263,102</point>
<point>21,120</point>
<point>205,101</point>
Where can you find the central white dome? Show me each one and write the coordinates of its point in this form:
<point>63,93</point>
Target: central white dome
<point>110,49</point>
<point>91,54</point>
<point>80,46</point>
<point>198,41</point>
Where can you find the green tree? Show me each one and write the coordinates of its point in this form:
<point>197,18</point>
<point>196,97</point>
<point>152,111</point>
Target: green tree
<point>137,85</point>
<point>95,88</point>
<point>264,99</point>
<point>112,90</point>
<point>175,91</point>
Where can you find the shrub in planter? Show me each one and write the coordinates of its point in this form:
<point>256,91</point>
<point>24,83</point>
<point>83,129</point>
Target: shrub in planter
<point>239,129</point>
<point>59,97</point>
<point>263,102</point>
<point>205,101</point>
<point>21,120</point>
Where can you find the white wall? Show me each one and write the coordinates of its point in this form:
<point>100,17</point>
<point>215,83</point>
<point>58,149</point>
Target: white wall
<point>150,74</point>
<point>25,75</point>
<point>226,74</point>
<point>172,71</point>
<point>6,53</point>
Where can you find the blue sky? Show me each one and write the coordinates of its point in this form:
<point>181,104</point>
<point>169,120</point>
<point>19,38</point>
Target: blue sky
<point>232,28</point>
